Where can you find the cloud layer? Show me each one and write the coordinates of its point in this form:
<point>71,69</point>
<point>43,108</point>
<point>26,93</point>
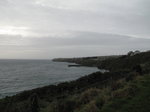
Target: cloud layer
<point>77,44</point>
<point>52,28</point>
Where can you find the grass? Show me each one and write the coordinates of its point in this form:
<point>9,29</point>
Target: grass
<point>139,102</point>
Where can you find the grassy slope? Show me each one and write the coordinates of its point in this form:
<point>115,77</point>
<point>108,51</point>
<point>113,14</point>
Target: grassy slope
<point>125,62</point>
<point>140,102</point>
<point>132,96</point>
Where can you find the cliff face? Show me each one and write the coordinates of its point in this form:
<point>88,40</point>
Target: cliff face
<point>125,88</point>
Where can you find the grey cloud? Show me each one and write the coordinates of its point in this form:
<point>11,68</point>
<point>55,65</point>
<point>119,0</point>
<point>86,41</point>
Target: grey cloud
<point>15,40</point>
<point>91,39</point>
<point>125,17</point>
<point>96,27</point>
<point>79,44</point>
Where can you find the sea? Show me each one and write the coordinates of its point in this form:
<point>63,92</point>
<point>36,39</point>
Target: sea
<point>20,75</point>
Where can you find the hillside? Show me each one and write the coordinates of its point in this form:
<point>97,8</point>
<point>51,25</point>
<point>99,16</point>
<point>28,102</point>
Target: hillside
<point>124,89</point>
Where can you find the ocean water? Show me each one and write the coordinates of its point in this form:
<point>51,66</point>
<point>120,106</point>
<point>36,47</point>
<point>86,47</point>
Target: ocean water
<point>20,75</point>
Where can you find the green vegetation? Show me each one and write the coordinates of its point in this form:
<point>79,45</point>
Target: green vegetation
<point>125,88</point>
<point>134,97</point>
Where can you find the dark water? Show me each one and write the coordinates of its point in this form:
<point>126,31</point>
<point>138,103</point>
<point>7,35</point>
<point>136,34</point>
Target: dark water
<point>20,75</point>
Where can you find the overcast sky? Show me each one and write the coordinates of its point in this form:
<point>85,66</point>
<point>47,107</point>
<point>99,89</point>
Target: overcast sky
<point>44,29</point>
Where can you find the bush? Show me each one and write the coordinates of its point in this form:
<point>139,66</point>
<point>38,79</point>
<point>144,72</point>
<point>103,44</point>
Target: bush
<point>89,95</point>
<point>91,107</point>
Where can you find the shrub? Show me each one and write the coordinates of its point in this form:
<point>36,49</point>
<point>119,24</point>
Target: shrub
<point>89,95</point>
<point>91,107</point>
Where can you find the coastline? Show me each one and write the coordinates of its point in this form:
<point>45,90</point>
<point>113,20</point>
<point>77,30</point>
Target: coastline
<point>36,74</point>
<point>122,69</point>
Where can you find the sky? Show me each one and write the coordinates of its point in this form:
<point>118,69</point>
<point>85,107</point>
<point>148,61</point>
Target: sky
<point>46,29</point>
